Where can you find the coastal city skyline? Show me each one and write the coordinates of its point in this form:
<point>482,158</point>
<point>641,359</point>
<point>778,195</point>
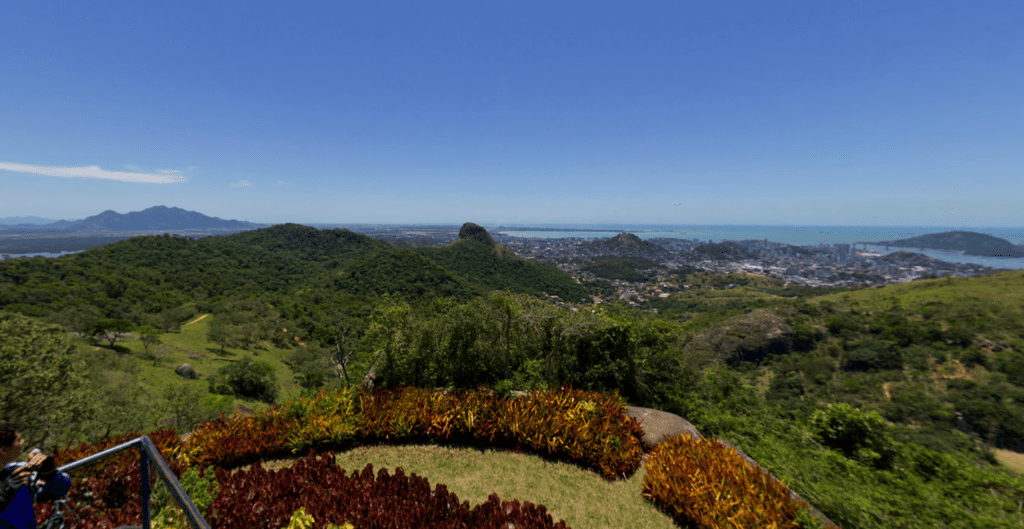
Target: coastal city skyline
<point>780,114</point>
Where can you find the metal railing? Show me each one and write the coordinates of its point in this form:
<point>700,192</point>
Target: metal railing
<point>149,454</point>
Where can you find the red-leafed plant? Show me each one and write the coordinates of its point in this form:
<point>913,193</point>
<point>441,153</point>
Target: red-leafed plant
<point>257,498</point>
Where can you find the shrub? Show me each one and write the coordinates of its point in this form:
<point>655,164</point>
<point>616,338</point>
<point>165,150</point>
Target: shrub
<point>874,356</point>
<point>256,498</point>
<point>246,379</point>
<point>328,419</point>
<point>805,337</point>
<point>842,325</point>
<point>705,484</point>
<point>787,385</point>
<point>239,440</point>
<point>857,434</point>
<point>588,428</point>
<point>201,487</point>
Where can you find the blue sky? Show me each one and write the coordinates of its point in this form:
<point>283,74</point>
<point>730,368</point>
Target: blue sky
<point>768,113</point>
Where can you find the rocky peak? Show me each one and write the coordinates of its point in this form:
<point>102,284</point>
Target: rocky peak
<point>475,232</point>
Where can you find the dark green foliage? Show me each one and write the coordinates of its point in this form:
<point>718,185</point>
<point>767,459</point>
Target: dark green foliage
<point>241,323</point>
<point>154,274</point>
<point>401,273</point>
<point>110,329</point>
<point>873,356</point>
<point>894,327</point>
<point>310,244</point>
<point>843,324</point>
<point>494,269</point>
<point>857,434</point>
<point>312,366</point>
<point>787,385</point>
<point>993,411</point>
<point>624,268</point>
<point>912,402</point>
<point>40,379</point>
<point>188,403</point>
<point>804,336</point>
<point>246,379</point>
<point>524,342</point>
<point>974,357</point>
<point>1012,365</point>
<point>959,334</point>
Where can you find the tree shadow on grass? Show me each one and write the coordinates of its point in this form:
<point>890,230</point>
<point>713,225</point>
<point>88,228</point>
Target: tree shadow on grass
<point>221,353</point>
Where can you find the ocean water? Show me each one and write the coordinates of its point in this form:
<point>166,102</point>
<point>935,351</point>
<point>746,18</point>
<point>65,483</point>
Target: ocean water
<point>41,254</point>
<point>795,235</point>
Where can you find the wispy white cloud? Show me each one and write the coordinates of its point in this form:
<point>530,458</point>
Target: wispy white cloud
<point>241,183</point>
<point>92,171</point>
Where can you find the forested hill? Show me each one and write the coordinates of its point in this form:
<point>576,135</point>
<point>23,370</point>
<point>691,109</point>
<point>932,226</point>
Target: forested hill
<point>628,245</point>
<point>310,243</point>
<point>146,279</point>
<point>477,258</point>
<point>968,242</point>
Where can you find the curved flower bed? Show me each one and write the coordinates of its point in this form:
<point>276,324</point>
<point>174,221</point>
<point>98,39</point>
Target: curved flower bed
<point>587,428</point>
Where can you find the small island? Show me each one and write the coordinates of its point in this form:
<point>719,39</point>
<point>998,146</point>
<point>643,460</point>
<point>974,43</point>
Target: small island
<point>966,242</point>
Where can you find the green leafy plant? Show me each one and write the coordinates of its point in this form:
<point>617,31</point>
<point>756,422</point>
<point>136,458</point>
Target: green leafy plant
<point>247,379</point>
<point>857,434</point>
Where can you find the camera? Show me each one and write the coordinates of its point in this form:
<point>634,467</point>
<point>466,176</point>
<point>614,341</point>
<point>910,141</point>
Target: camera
<point>46,467</point>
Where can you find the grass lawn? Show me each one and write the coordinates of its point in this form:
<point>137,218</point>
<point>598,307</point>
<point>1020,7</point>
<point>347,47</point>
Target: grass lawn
<point>581,498</point>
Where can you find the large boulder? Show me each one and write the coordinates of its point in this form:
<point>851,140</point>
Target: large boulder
<point>186,371</point>
<point>658,425</point>
<point>744,338</point>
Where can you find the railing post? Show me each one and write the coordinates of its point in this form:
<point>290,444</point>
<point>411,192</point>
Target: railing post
<point>144,489</point>
<point>148,454</point>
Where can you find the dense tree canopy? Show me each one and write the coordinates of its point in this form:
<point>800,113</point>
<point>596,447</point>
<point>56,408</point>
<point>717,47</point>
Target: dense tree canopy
<point>40,379</point>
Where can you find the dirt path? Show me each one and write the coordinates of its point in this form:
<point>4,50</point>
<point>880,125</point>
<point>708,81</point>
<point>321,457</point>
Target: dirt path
<point>197,319</point>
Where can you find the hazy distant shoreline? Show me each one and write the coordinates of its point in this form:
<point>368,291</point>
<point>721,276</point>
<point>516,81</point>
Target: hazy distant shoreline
<point>795,235</point>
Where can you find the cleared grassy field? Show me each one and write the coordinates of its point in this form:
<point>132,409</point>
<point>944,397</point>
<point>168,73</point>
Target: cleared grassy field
<point>581,498</point>
<point>154,369</point>
<point>1011,460</point>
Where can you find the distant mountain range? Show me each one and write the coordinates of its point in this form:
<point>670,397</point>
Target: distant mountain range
<point>154,219</point>
<point>967,242</point>
<point>32,221</point>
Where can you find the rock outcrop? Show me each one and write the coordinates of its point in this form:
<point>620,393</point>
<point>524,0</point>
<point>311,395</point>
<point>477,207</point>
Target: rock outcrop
<point>186,371</point>
<point>743,338</point>
<point>659,425</point>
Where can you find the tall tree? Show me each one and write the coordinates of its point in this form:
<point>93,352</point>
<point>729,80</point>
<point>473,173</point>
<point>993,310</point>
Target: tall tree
<point>110,329</point>
<point>40,379</point>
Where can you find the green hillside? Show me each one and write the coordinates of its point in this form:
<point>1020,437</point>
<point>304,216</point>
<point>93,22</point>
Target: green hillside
<point>880,406</point>
<point>402,273</point>
<point>477,258</point>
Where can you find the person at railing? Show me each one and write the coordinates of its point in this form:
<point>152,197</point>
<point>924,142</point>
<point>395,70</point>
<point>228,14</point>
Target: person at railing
<point>22,483</point>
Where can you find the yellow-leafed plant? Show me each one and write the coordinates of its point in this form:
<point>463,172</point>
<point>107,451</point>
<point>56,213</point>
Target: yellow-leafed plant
<point>709,485</point>
<point>303,520</point>
<point>328,419</point>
